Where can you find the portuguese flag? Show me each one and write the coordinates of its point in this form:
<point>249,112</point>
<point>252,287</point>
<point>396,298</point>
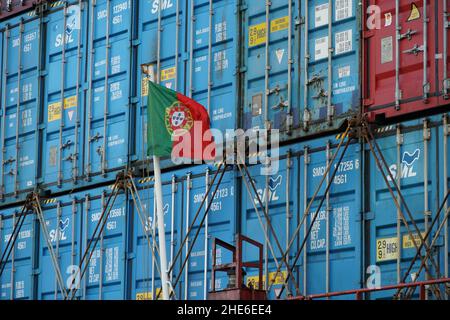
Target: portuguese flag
<point>177,126</point>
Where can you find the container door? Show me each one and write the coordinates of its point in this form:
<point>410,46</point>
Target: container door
<point>445,174</point>
<point>162,38</point>
<point>63,218</point>
<point>401,56</point>
<point>63,51</point>
<point>146,280</point>
<point>332,260</point>
<point>16,282</point>
<point>279,193</point>
<point>444,25</point>
<point>410,155</point>
<point>105,276</point>
<point>211,77</point>
<point>19,108</point>
<point>271,69</point>
<point>220,223</point>
<point>107,121</point>
<point>330,49</point>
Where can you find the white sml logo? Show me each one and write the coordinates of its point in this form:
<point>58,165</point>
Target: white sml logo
<point>407,166</point>
<point>274,183</point>
<point>72,23</point>
<point>149,222</point>
<point>165,4</point>
<point>59,234</point>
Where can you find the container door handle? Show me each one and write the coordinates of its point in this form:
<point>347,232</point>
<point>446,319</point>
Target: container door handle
<point>414,50</point>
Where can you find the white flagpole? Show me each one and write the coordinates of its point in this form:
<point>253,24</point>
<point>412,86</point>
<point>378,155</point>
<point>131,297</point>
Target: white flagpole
<point>161,229</point>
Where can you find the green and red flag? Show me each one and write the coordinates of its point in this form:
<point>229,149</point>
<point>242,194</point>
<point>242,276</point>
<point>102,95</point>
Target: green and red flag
<point>177,123</point>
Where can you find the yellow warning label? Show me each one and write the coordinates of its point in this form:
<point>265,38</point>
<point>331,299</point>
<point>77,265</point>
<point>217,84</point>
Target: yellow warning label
<point>387,249</point>
<point>257,34</point>
<point>168,74</point>
<point>278,280</point>
<point>279,24</point>
<point>144,87</point>
<point>54,109</point>
<point>415,13</point>
<point>70,102</point>
<point>148,295</point>
<point>409,244</point>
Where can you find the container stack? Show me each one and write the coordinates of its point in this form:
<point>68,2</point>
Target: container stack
<point>359,93</point>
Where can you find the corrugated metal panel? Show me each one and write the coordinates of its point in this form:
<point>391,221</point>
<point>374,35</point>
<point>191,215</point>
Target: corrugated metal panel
<point>108,121</point>
<point>414,153</point>
<point>303,74</point>
<point>406,57</point>
<point>191,60</point>
<point>20,97</point>
<point>63,220</point>
<point>62,140</point>
<point>17,279</point>
<point>334,245</point>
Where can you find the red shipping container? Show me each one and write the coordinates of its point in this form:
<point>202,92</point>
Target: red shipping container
<point>406,57</point>
<point>14,7</point>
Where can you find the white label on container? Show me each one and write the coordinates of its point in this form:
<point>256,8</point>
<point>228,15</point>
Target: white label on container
<point>321,48</point>
<point>344,72</point>
<point>387,54</point>
<point>344,9</point>
<point>321,15</point>
<point>341,228</point>
<point>344,42</point>
<point>221,31</point>
<point>280,55</point>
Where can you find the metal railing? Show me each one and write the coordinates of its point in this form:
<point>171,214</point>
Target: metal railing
<point>359,294</point>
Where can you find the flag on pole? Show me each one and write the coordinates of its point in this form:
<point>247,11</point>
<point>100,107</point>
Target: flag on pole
<point>177,124</point>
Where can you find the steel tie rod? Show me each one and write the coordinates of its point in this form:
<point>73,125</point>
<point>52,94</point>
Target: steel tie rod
<point>305,214</point>
<point>102,221</point>
<point>405,222</point>
<point>336,169</point>
<point>430,229</point>
<point>266,215</point>
<point>39,213</point>
<point>199,228</point>
<point>137,202</point>
<point>180,250</point>
<point>12,240</point>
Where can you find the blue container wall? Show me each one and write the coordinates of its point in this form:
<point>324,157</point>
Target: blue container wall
<point>20,111</point>
<point>335,241</point>
<point>182,198</point>
<point>63,221</point>
<point>420,152</point>
<point>168,65</point>
<point>289,89</point>
<point>107,119</point>
<point>62,140</point>
<point>191,60</point>
<point>105,278</point>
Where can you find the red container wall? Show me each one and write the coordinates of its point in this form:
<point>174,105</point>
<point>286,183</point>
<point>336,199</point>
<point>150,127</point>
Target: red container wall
<point>14,7</point>
<point>406,57</point>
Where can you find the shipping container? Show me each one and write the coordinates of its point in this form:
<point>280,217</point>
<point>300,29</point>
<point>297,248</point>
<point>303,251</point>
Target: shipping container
<point>300,65</point>
<point>355,233</point>
<point>332,256</point>
<point>405,58</point>
<point>417,155</point>
<point>70,52</point>
<point>178,51</point>
<point>74,79</point>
